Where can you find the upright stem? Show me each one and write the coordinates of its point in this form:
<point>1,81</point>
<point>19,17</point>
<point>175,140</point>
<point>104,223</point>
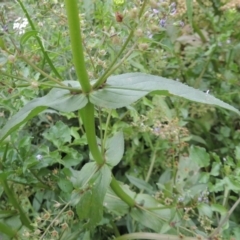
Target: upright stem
<point>87,115</point>
<point>224,220</point>
<point>103,78</point>
<point>76,43</point>
<point>39,40</point>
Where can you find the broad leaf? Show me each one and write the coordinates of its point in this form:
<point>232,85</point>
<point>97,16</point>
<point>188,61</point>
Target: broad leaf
<point>153,214</point>
<point>80,179</point>
<point>59,99</point>
<point>18,119</point>
<point>187,175</point>
<point>124,89</point>
<point>115,149</point>
<point>59,134</point>
<point>199,156</point>
<point>93,184</point>
<point>140,183</point>
<point>114,204</point>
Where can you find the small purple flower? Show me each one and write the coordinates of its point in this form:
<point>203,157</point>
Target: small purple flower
<point>157,130</point>
<point>173,8</point>
<point>181,23</point>
<point>155,11</point>
<point>163,22</point>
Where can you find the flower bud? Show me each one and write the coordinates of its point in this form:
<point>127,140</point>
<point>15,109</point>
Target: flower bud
<point>34,84</point>
<point>143,46</point>
<point>153,4</point>
<point>133,13</point>
<point>139,32</point>
<point>11,58</point>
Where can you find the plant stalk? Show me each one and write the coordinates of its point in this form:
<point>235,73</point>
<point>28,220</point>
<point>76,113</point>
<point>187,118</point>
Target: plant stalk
<point>39,40</point>
<point>76,44</point>
<point>121,194</point>
<point>103,78</point>
<point>87,115</point>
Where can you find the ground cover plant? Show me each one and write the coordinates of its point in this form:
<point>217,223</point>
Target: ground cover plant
<point>111,121</point>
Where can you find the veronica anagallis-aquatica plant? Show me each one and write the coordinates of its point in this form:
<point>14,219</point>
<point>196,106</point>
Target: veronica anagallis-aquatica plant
<point>109,91</point>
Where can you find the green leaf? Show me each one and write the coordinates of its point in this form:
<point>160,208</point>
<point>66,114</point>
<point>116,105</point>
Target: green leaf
<point>73,158</point>
<point>231,184</point>
<point>7,230</point>
<point>122,90</point>
<point>205,210</point>
<point>114,204</point>
<point>115,149</point>
<point>155,218</point>
<point>237,152</point>
<point>3,59</point>
<point>14,201</point>
<point>27,35</point>
<point>81,178</point>
<point>219,208</point>
<point>58,134</point>
<point>215,169</point>
<point>65,185</point>
<point>200,156</point>
<point>93,183</point>
<point>59,99</point>
<point>139,183</point>
<point>187,174</point>
<point>2,44</point>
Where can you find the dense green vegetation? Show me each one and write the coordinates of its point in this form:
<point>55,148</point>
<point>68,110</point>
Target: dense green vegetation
<point>96,139</point>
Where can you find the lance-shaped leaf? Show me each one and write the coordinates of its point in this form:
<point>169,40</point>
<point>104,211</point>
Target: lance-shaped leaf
<point>93,183</point>
<point>59,99</point>
<point>124,89</point>
<point>115,149</point>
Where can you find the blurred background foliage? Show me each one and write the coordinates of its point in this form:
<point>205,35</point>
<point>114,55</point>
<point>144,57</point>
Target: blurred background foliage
<point>186,155</point>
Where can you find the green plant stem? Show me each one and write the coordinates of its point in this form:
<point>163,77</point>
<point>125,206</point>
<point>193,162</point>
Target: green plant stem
<point>199,79</point>
<point>199,32</point>
<point>154,236</point>
<point>100,129</point>
<point>225,196</point>
<point>142,8</point>
<point>41,183</point>
<point>87,115</point>
<point>153,159</point>
<point>62,86</point>
<point>115,67</point>
<point>40,70</point>
<point>76,44</point>
<point>106,127</point>
<point>14,76</point>
<point>103,78</point>
<point>115,229</point>
<point>53,221</point>
<point>39,40</point>
<point>121,194</point>
<point>12,198</point>
<point>225,219</point>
